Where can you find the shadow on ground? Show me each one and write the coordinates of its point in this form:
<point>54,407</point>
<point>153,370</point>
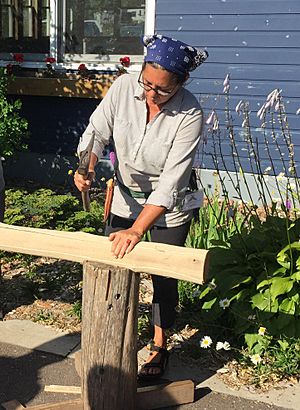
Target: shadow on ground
<point>24,373</point>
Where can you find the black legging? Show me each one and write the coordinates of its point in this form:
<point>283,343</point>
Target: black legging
<point>165,293</point>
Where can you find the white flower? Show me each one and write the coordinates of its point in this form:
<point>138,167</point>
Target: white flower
<point>255,359</point>
<point>205,342</point>
<point>226,84</point>
<point>216,124</point>
<point>224,303</point>
<point>221,345</point>
<point>281,177</point>
<point>212,285</point>
<point>251,317</point>
<point>292,186</point>
<point>239,106</point>
<point>262,331</point>
<point>277,106</point>
<point>210,118</point>
<point>273,96</point>
<point>261,111</point>
<point>226,81</point>
<point>277,200</point>
<point>226,346</point>
<point>196,293</point>
<point>267,105</point>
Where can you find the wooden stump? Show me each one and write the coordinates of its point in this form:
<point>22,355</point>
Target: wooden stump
<point>109,335</point>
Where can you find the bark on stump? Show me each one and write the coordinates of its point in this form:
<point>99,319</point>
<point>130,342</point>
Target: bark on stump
<point>109,337</point>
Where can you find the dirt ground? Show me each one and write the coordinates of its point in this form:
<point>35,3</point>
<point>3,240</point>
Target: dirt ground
<point>48,291</point>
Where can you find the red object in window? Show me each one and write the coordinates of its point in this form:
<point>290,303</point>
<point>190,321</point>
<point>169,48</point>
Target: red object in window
<point>82,67</point>
<point>9,69</point>
<point>125,61</point>
<point>18,57</point>
<point>50,60</point>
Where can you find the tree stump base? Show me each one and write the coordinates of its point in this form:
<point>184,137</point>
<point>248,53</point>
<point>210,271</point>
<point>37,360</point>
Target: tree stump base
<point>109,337</point>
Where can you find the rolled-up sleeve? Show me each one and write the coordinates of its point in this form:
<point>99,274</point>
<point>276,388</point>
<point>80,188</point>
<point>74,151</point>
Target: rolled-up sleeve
<point>174,178</point>
<point>101,122</point>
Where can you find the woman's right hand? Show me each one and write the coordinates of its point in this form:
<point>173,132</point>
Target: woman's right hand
<point>84,184</point>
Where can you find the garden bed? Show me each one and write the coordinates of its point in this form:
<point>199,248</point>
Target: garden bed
<point>48,291</point>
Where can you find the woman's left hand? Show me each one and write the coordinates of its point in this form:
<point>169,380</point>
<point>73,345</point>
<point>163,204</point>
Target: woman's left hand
<point>124,241</point>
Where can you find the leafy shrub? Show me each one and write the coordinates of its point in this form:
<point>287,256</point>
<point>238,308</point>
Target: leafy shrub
<point>258,276</point>
<point>13,128</point>
<point>45,209</point>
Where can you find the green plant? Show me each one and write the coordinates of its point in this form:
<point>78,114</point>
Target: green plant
<point>144,326</point>
<point>46,209</point>
<point>13,128</point>
<point>44,316</point>
<point>259,277</point>
<point>272,358</point>
<point>77,309</point>
<point>265,359</point>
<point>217,221</point>
<point>254,273</point>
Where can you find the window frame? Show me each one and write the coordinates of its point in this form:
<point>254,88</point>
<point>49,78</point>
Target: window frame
<point>36,57</point>
<point>57,44</point>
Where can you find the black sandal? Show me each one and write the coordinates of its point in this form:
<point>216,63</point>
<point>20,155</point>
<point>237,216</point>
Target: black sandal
<point>160,364</point>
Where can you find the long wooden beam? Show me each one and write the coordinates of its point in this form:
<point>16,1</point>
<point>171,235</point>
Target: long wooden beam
<point>165,260</point>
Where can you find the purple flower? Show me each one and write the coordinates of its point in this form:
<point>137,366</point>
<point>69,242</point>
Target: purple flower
<point>112,157</point>
<point>288,204</point>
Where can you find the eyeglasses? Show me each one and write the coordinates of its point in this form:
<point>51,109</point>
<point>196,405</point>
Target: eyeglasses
<point>158,91</point>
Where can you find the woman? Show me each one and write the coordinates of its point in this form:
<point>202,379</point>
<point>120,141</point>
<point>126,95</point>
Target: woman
<point>156,125</point>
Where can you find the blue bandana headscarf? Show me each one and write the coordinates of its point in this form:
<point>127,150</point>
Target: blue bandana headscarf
<point>172,54</point>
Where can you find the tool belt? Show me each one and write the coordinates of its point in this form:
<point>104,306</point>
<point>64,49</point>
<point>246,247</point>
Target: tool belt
<point>137,194</point>
<point>132,193</point>
<point>110,185</point>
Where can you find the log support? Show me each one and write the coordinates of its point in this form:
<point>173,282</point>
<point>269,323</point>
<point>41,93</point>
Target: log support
<point>109,336</point>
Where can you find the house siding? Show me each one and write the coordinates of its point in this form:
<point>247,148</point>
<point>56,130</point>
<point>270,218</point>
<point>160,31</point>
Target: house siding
<point>258,44</point>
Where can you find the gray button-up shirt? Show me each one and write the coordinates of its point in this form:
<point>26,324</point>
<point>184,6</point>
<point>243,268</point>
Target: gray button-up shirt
<point>156,157</point>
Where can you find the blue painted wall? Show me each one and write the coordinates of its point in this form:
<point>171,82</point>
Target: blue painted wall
<point>56,123</point>
<point>256,42</point>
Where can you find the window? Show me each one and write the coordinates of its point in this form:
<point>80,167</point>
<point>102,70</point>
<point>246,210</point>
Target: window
<point>24,26</point>
<point>90,31</point>
<point>104,27</point>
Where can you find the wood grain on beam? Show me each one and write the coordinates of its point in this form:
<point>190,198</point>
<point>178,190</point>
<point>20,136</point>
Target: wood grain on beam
<point>165,260</point>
